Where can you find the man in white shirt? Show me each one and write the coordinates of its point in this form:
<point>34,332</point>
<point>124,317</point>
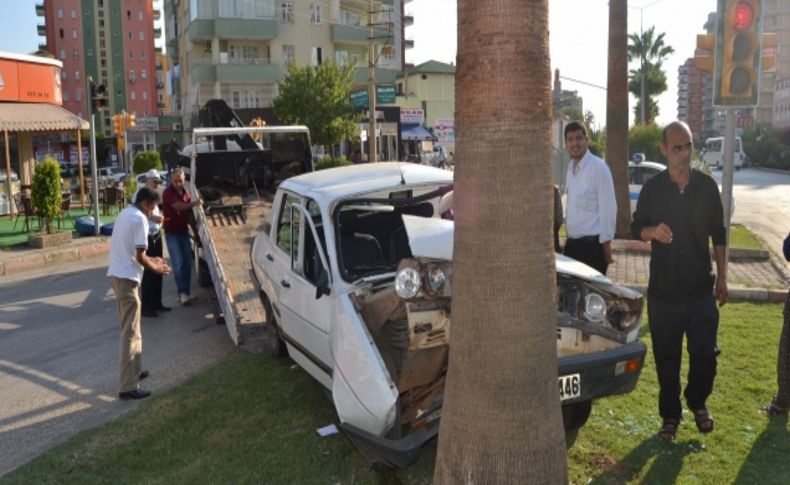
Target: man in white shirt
<point>127,259</point>
<point>592,208</point>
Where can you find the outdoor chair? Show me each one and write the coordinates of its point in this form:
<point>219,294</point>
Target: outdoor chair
<point>65,205</point>
<point>26,209</point>
<point>113,197</point>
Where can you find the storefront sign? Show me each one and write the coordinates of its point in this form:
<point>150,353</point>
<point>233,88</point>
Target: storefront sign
<point>146,123</point>
<point>30,82</point>
<point>385,94</point>
<point>444,130</point>
<point>412,116</point>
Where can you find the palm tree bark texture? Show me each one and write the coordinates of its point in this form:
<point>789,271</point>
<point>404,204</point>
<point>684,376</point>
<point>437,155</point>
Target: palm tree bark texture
<point>501,421</point>
<point>617,113</point>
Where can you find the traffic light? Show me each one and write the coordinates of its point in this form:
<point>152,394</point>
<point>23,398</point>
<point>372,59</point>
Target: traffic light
<point>117,123</point>
<point>703,56</point>
<point>98,96</point>
<point>738,52</point>
<point>130,121</point>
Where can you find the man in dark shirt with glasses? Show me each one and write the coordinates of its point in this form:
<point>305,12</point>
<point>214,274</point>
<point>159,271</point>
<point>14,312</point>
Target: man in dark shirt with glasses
<point>680,211</point>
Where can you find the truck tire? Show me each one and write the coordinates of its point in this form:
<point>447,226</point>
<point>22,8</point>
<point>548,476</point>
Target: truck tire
<point>281,350</point>
<point>204,275</point>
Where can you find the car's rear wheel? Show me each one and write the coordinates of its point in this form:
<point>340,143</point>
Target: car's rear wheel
<point>281,350</point>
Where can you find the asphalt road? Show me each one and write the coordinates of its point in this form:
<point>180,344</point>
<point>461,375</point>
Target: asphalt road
<point>762,203</point>
<point>59,349</point>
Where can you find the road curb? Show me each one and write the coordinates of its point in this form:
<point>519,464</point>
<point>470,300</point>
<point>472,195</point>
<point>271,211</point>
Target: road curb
<point>738,293</point>
<point>16,262</point>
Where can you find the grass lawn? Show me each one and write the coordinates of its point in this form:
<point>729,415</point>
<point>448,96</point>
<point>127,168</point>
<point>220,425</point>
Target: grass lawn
<point>740,237</point>
<point>10,236</point>
<point>252,419</point>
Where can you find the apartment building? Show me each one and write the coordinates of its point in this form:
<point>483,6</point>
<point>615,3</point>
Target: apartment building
<point>691,98</point>
<point>239,50</point>
<point>777,112</point>
<point>111,41</point>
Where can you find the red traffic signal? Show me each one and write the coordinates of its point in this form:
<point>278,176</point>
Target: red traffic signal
<point>743,16</point>
<point>738,53</point>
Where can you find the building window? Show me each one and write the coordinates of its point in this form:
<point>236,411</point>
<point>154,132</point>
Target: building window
<point>78,95</point>
<point>143,74</point>
<point>142,35</point>
<point>76,54</point>
<point>63,75</point>
<point>104,64</point>
<point>117,73</point>
<point>315,14</point>
<point>236,99</point>
<point>60,13</point>
<point>140,15</point>
<point>87,11</point>
<point>289,54</point>
<point>77,75</point>
<point>145,95</point>
<point>130,35</point>
<point>74,13</point>
<point>65,95</point>
<point>90,52</point>
<point>129,14</point>
<point>287,12</point>
<point>74,34</point>
<point>316,56</point>
<point>341,57</point>
<point>60,32</point>
<point>142,55</point>
<point>131,76</point>
<point>63,54</point>
<point>115,34</point>
<point>131,56</point>
<point>132,95</point>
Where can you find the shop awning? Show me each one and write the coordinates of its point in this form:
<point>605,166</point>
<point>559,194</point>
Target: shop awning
<point>16,117</point>
<point>415,132</point>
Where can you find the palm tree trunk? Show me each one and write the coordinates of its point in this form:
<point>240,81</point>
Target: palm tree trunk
<point>617,113</point>
<point>501,421</point>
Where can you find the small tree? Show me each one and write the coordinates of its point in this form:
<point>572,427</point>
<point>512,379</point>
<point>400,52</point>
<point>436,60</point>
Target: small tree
<point>646,139</point>
<point>46,191</point>
<point>318,97</point>
<point>145,161</point>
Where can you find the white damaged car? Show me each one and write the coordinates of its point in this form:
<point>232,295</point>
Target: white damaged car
<point>355,270</point>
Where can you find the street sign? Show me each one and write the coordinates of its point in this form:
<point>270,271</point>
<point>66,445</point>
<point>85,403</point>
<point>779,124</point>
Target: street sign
<point>385,94</point>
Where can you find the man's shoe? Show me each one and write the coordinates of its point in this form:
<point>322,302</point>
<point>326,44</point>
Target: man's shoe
<point>149,313</point>
<point>184,299</point>
<point>136,394</point>
<point>144,374</point>
<point>163,308</point>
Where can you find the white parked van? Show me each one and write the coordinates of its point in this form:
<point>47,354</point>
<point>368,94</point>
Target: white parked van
<point>713,155</point>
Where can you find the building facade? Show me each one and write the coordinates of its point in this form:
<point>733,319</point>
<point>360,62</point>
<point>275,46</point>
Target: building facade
<point>691,98</point>
<point>112,41</point>
<point>238,51</point>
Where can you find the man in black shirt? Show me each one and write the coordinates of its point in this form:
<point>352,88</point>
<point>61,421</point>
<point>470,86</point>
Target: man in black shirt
<point>679,211</point>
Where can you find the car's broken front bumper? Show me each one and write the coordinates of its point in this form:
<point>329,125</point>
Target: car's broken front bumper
<point>604,373</point>
<point>391,452</point>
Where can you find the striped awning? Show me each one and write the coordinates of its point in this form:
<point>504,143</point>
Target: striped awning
<point>16,117</point>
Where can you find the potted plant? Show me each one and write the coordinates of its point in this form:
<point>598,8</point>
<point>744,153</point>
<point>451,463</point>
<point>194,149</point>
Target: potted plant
<point>47,199</point>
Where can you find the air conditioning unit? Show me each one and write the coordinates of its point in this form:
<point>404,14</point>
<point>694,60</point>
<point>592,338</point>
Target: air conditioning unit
<point>177,127</point>
<point>207,46</point>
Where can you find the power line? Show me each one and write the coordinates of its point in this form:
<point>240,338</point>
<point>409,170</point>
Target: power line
<point>583,82</point>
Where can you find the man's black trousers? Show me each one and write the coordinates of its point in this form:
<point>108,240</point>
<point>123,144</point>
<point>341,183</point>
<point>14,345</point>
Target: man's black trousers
<point>699,322</point>
<point>587,250</point>
<point>151,286</point>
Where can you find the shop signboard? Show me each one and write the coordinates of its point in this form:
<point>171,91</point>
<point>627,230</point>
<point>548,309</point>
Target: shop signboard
<point>444,130</point>
<point>412,116</point>
<point>385,94</point>
<point>30,82</point>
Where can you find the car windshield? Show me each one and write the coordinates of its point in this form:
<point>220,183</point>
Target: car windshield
<point>115,170</point>
<point>371,237</point>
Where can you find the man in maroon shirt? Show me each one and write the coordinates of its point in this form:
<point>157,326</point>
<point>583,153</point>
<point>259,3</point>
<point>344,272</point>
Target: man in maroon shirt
<point>177,207</point>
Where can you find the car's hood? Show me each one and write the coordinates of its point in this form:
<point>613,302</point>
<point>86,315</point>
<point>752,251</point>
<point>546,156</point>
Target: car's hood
<point>432,238</point>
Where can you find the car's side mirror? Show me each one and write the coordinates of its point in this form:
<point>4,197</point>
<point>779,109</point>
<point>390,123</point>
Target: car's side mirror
<point>323,285</point>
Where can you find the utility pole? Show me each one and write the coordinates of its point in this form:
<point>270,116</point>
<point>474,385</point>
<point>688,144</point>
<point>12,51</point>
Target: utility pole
<point>374,153</point>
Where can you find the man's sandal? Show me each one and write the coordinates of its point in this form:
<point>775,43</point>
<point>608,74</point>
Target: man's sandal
<point>669,429</point>
<point>703,420</point>
<point>774,409</point>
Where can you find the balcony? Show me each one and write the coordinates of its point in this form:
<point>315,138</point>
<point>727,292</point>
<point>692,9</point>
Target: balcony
<point>408,43</point>
<point>356,34</point>
<point>157,15</point>
<point>42,30</point>
<point>408,19</point>
<point>42,47</point>
<point>241,70</point>
<point>227,28</point>
<point>157,33</point>
<point>382,75</point>
<point>40,10</point>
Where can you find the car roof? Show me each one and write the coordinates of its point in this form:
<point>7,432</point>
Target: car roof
<point>331,184</point>
<point>656,165</point>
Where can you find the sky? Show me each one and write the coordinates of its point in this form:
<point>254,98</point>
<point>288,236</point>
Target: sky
<point>577,30</point>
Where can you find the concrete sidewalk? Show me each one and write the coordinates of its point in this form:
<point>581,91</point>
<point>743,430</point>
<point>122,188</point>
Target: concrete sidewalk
<point>753,275</point>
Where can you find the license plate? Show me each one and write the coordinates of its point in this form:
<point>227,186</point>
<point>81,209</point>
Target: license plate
<point>570,387</point>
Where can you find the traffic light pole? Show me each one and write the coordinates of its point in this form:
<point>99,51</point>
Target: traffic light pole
<point>728,169</point>
<point>94,172</point>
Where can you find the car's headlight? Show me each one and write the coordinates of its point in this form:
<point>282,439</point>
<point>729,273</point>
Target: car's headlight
<point>436,278</point>
<point>407,282</point>
<point>594,307</point>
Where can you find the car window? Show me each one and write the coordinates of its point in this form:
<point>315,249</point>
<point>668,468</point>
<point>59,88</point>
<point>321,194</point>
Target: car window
<point>288,227</point>
<point>634,175</point>
<point>312,267</point>
<point>648,173</point>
